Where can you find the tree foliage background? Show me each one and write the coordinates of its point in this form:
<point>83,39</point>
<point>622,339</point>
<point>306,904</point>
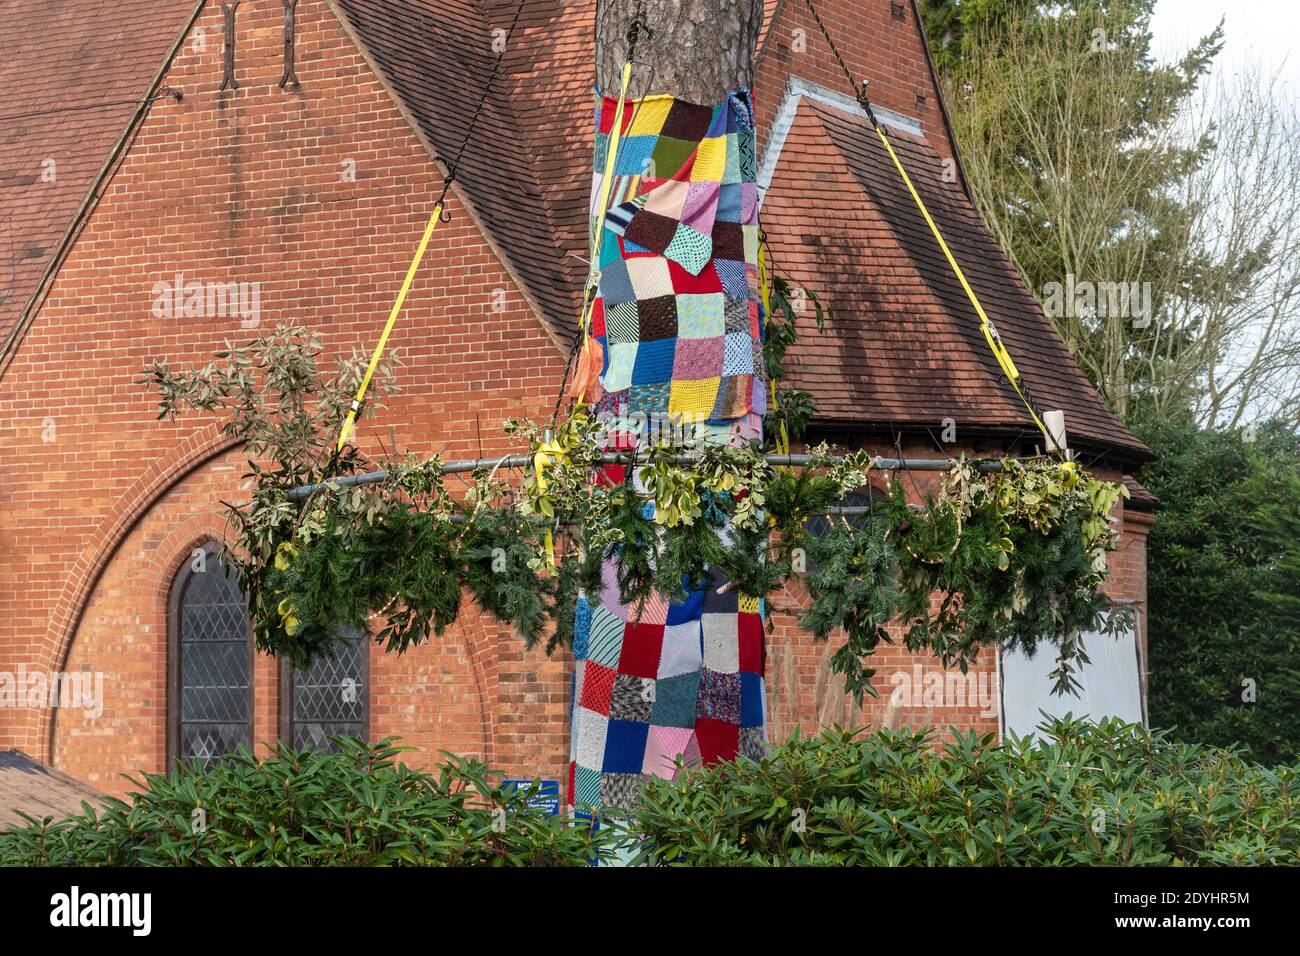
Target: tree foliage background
<point>1224,600</point>
<point>1153,205</point>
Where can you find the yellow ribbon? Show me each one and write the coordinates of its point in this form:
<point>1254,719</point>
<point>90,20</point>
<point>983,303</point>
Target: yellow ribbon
<point>986,325</point>
<point>348,426</point>
<point>765,294</point>
<point>547,455</point>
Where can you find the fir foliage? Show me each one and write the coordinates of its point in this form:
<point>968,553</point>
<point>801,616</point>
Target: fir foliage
<point>1012,558</point>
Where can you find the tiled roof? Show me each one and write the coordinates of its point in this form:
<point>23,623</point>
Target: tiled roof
<point>38,791</point>
<point>1140,496</point>
<point>905,346</point>
<point>72,74</point>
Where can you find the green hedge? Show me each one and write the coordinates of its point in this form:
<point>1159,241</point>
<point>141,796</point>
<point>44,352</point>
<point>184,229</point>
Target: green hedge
<point>1103,795</point>
<point>1107,795</point>
<point>1224,586</point>
<point>357,808</point>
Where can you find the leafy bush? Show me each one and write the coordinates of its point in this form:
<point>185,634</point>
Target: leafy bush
<point>1224,586</point>
<point>1088,795</point>
<point>358,807</point>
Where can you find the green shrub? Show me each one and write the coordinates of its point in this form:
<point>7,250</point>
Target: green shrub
<point>1106,795</point>
<point>1223,590</point>
<point>359,807</point>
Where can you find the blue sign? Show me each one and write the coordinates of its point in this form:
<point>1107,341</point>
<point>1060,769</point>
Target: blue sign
<point>545,796</point>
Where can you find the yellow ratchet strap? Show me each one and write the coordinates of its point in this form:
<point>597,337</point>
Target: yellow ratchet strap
<point>350,423</point>
<point>986,325</point>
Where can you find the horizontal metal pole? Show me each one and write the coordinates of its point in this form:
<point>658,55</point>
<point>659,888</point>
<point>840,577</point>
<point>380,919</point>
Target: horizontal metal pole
<point>846,511</point>
<point>623,458</point>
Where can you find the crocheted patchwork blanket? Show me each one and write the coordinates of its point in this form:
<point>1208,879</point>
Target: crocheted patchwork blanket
<point>682,681</point>
<point>677,310</point>
<point>680,326</point>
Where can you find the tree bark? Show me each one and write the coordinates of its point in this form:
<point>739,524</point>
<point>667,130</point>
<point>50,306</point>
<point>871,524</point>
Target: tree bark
<point>696,50</point>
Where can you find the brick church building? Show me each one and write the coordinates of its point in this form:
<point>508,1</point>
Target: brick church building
<point>152,146</point>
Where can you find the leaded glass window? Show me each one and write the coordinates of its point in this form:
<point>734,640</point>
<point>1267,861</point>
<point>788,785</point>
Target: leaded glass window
<point>328,697</point>
<point>210,707</point>
<point>820,525</point>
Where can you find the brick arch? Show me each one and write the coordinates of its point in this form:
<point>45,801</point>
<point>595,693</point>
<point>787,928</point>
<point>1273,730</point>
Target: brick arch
<point>171,556</point>
<point>201,447</point>
<point>194,531</point>
<point>161,572</point>
<point>476,633</point>
<point>478,638</point>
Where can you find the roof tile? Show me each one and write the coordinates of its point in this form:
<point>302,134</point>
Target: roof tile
<point>72,75</point>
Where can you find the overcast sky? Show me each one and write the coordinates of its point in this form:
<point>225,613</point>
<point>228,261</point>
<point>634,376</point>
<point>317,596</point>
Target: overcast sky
<point>1256,30</point>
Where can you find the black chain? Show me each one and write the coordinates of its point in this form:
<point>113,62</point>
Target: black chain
<point>859,89</point>
<point>454,166</point>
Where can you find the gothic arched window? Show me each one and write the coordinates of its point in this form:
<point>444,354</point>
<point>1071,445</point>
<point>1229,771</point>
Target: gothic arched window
<point>328,698</point>
<point>209,661</point>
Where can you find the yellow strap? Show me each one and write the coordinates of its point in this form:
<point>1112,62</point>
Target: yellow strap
<point>986,326</point>
<point>351,421</point>
<point>546,455</point>
<point>765,294</point>
<point>606,187</point>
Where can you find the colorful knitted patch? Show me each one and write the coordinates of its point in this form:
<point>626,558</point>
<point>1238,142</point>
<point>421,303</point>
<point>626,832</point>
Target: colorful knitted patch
<point>649,693</point>
<point>677,312</point>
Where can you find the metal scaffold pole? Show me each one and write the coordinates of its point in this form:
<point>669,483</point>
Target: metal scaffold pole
<point>461,466</point>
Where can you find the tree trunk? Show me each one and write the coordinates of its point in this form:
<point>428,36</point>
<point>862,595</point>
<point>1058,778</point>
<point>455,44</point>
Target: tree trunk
<point>675,335</point>
<point>696,50</point>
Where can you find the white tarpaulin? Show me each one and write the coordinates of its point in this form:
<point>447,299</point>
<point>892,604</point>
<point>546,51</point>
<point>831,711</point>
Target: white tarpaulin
<point>1111,684</point>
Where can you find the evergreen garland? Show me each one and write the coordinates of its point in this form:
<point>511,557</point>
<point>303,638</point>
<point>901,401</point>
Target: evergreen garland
<point>1014,557</point>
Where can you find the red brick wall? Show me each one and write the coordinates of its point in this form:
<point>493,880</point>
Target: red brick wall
<point>100,503</point>
<point>803,693</point>
<point>248,187</point>
<point>886,52</point>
